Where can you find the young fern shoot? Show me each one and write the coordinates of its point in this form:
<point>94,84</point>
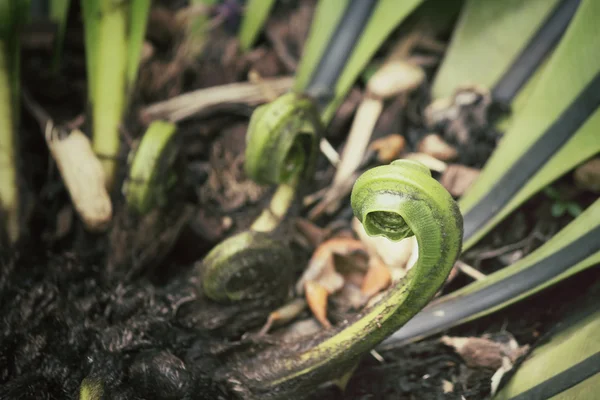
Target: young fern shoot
<point>282,142</point>
<point>396,201</point>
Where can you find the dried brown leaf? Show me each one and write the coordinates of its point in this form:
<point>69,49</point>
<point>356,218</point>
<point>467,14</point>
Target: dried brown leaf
<point>457,179</point>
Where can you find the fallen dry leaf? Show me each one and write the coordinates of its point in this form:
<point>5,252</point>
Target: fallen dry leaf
<point>283,314</point>
<point>378,277</point>
<point>429,161</point>
<point>435,146</point>
<point>395,77</point>
<point>316,297</point>
<point>313,233</point>
<point>587,175</point>
<point>500,372</point>
<point>147,52</point>
<point>321,267</point>
<point>457,179</point>
<point>482,352</point>
<point>388,148</point>
<point>84,177</point>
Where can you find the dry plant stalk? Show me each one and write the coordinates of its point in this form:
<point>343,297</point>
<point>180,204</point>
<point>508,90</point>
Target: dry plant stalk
<point>83,176</point>
<point>81,170</point>
<point>189,104</point>
<point>429,161</point>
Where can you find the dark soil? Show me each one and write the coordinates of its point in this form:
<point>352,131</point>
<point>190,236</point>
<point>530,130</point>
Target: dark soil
<point>152,334</point>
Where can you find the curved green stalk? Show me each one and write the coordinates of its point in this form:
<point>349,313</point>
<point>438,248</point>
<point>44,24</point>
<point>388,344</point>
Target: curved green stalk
<point>255,14</point>
<point>281,149</point>
<point>395,201</point>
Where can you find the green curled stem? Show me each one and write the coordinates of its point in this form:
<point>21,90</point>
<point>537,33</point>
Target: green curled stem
<point>243,267</point>
<point>396,201</point>
<point>281,148</point>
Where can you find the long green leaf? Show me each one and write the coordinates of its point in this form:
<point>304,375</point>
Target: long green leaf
<point>387,15</point>
<point>572,72</point>
<point>565,366</point>
<point>489,36</point>
<point>582,146</point>
<point>138,20</point>
<point>575,247</point>
<point>59,12</point>
<point>91,21</point>
<point>255,15</point>
<point>9,193</point>
<point>326,17</point>
<point>570,251</point>
<point>13,15</point>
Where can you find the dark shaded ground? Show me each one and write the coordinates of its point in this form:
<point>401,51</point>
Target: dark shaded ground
<point>64,318</point>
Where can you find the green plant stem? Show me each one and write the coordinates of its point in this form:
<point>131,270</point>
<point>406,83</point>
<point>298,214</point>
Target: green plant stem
<point>91,21</point>
<point>110,84</point>
<point>9,191</point>
<point>13,15</point>
<point>114,34</point>
<point>138,17</point>
<point>280,203</point>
